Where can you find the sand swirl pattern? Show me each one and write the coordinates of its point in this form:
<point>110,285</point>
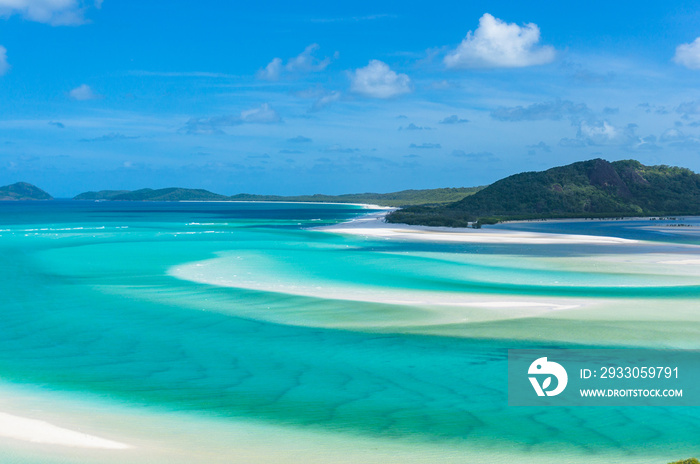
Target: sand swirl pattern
<point>95,318</point>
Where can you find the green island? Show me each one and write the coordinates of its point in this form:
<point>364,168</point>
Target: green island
<point>587,189</point>
<point>23,191</point>
<point>394,199</point>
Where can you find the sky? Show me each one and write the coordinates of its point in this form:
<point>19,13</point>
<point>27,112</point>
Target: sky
<point>307,97</point>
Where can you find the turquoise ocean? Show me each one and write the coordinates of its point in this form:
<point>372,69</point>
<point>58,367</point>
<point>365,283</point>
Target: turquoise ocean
<point>234,332</point>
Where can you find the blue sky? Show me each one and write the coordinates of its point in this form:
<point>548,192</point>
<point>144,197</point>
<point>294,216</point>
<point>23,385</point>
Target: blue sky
<point>320,97</point>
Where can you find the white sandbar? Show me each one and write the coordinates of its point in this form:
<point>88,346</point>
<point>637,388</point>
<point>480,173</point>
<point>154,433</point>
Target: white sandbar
<point>373,225</point>
<point>37,431</point>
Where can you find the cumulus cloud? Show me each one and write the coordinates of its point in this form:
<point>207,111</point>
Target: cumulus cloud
<point>688,108</point>
<point>454,119</point>
<point>413,127</point>
<point>497,44</point>
<point>425,145</point>
<point>678,139</point>
<point>672,135</point>
<point>272,71</point>
<point>555,111</point>
<point>688,54</point>
<point>264,114</point>
<point>540,146</point>
<point>305,62</point>
<point>598,133</point>
<point>83,92</point>
<point>325,100</point>
<point>299,139</point>
<point>261,115</point>
<point>377,80</point>
<point>340,149</point>
<point>4,66</point>
<point>657,109</point>
<point>592,133</point>
<point>54,12</point>
<point>322,97</point>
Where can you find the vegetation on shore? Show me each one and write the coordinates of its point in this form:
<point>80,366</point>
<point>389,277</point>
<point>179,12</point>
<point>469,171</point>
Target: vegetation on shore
<point>22,191</point>
<point>587,189</point>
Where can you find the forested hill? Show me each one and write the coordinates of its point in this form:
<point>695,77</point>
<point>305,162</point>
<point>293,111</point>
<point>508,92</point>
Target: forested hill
<point>595,188</point>
<point>23,191</point>
<point>147,194</point>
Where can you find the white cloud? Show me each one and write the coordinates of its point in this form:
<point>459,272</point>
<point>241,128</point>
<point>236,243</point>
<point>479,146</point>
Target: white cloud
<point>599,133</point>
<point>272,71</point>
<point>497,44</point>
<point>4,66</point>
<point>602,133</point>
<point>425,145</point>
<point>83,92</point>
<point>554,110</point>
<point>264,114</point>
<point>676,138</point>
<point>454,119</point>
<point>305,62</point>
<point>377,80</point>
<point>325,100</point>
<point>688,54</point>
<point>54,12</point>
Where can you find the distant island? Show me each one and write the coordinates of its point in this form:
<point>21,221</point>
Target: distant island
<point>587,189</point>
<point>22,191</point>
<point>395,199</point>
<point>166,194</point>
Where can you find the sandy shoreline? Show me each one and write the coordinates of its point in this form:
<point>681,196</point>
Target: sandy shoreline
<point>373,225</point>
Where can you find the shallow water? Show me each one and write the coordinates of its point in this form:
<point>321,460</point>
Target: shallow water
<point>175,327</point>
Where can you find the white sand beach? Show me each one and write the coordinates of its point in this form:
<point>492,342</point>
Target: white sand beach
<point>373,225</point>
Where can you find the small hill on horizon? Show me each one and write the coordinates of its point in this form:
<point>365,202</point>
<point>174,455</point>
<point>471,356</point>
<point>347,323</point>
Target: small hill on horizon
<point>587,189</point>
<point>101,195</point>
<point>23,191</point>
<point>169,194</point>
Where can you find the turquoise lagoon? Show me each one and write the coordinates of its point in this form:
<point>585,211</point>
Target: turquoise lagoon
<point>233,332</point>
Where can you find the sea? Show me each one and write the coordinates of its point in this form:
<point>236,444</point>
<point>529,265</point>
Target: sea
<point>208,332</point>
